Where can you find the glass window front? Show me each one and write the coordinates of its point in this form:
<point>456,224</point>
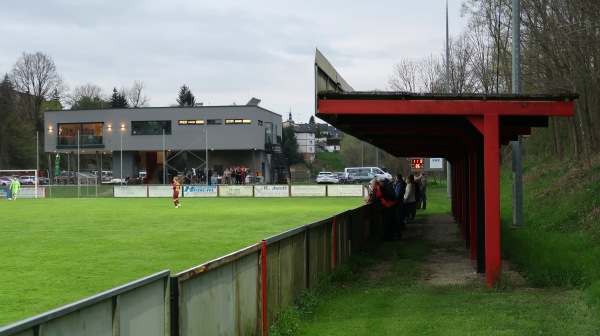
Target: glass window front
<point>191,122</point>
<point>238,121</point>
<point>89,134</point>
<point>154,127</point>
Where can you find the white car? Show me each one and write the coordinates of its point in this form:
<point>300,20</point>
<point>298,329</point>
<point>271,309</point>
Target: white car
<point>327,177</point>
<point>5,180</point>
<point>27,179</point>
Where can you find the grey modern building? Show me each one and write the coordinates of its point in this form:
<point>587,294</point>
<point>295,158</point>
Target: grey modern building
<point>131,140</point>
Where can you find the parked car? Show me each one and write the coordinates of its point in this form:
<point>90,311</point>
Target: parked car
<point>27,179</point>
<point>340,176</point>
<point>43,180</point>
<point>5,180</point>
<point>357,178</point>
<point>327,177</point>
<point>363,171</point>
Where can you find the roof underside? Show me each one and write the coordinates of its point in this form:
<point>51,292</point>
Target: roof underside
<point>435,125</point>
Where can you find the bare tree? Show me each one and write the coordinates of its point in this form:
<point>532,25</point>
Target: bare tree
<point>405,76</point>
<point>92,92</point>
<point>135,96</point>
<point>36,76</point>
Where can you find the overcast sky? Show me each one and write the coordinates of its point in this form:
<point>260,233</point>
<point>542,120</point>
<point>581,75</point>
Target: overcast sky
<point>225,51</point>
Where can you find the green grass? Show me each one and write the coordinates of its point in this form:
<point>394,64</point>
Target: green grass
<point>56,251</point>
<point>398,304</point>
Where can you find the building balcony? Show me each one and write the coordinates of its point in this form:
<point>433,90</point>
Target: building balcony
<point>83,141</point>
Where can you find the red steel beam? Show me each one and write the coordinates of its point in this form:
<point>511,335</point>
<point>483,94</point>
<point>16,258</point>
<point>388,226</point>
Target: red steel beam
<point>447,107</point>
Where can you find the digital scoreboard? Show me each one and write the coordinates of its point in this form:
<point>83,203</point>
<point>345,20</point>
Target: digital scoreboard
<point>418,163</point>
<point>426,164</point>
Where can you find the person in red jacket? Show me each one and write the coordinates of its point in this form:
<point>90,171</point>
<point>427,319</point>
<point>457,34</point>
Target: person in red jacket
<point>383,193</point>
<point>176,187</point>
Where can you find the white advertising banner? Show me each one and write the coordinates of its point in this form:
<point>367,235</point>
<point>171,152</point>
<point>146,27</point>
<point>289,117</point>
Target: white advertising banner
<point>235,191</point>
<point>436,163</point>
<point>26,192</point>
<point>199,191</point>
<point>161,191</point>
<point>345,190</point>
<point>309,190</point>
<point>130,191</point>
<point>271,191</point>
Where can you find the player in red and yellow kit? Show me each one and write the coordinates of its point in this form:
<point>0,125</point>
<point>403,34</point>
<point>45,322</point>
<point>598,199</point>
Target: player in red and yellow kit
<point>176,188</point>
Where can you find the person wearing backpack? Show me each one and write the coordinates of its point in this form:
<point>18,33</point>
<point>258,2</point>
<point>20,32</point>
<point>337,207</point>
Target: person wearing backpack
<point>385,194</point>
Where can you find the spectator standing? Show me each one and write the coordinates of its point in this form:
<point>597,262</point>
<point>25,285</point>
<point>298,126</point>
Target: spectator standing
<point>227,176</point>
<point>385,195</point>
<point>418,192</point>
<point>410,202</point>
<point>400,189</point>
<point>422,191</point>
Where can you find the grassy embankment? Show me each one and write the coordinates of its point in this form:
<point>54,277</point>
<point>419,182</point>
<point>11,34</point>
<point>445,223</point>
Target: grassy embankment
<point>556,252</point>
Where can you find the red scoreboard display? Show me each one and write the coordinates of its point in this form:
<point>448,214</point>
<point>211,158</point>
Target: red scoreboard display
<point>418,163</point>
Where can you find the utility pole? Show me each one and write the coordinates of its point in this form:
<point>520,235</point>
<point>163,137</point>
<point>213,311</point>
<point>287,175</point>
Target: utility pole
<point>516,145</point>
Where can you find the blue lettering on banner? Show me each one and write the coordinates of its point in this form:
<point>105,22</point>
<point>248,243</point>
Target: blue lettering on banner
<point>199,189</point>
<point>5,193</point>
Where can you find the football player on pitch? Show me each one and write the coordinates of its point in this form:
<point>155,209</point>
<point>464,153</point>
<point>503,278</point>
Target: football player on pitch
<point>176,187</point>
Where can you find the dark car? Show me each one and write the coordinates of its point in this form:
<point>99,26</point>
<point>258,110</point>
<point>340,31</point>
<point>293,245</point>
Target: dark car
<point>357,178</point>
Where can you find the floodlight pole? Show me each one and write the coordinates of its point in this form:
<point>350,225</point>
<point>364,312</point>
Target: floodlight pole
<point>206,153</point>
<point>448,166</point>
<point>121,177</point>
<point>77,174</point>
<point>517,145</point>
<point>164,159</point>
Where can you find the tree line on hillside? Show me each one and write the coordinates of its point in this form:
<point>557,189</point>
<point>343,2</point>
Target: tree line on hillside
<point>559,54</point>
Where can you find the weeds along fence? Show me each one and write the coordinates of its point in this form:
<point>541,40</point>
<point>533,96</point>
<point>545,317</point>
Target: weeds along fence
<point>237,294</point>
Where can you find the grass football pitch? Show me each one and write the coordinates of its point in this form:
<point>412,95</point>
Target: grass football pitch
<point>56,251</point>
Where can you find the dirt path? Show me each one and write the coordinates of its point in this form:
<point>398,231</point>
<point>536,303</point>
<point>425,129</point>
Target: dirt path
<point>449,263</point>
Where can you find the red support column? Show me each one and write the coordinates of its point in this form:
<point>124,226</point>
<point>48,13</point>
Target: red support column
<point>491,152</point>
<point>473,203</point>
<point>463,199</point>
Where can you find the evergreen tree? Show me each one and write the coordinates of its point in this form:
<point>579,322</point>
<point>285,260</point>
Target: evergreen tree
<point>311,120</point>
<point>290,147</point>
<point>16,148</point>
<point>118,99</point>
<point>185,98</point>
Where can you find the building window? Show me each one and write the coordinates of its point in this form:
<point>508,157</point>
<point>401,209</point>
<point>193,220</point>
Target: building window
<point>89,134</point>
<point>238,121</point>
<point>310,142</point>
<point>191,122</point>
<point>154,127</point>
<point>214,121</point>
<point>260,123</point>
